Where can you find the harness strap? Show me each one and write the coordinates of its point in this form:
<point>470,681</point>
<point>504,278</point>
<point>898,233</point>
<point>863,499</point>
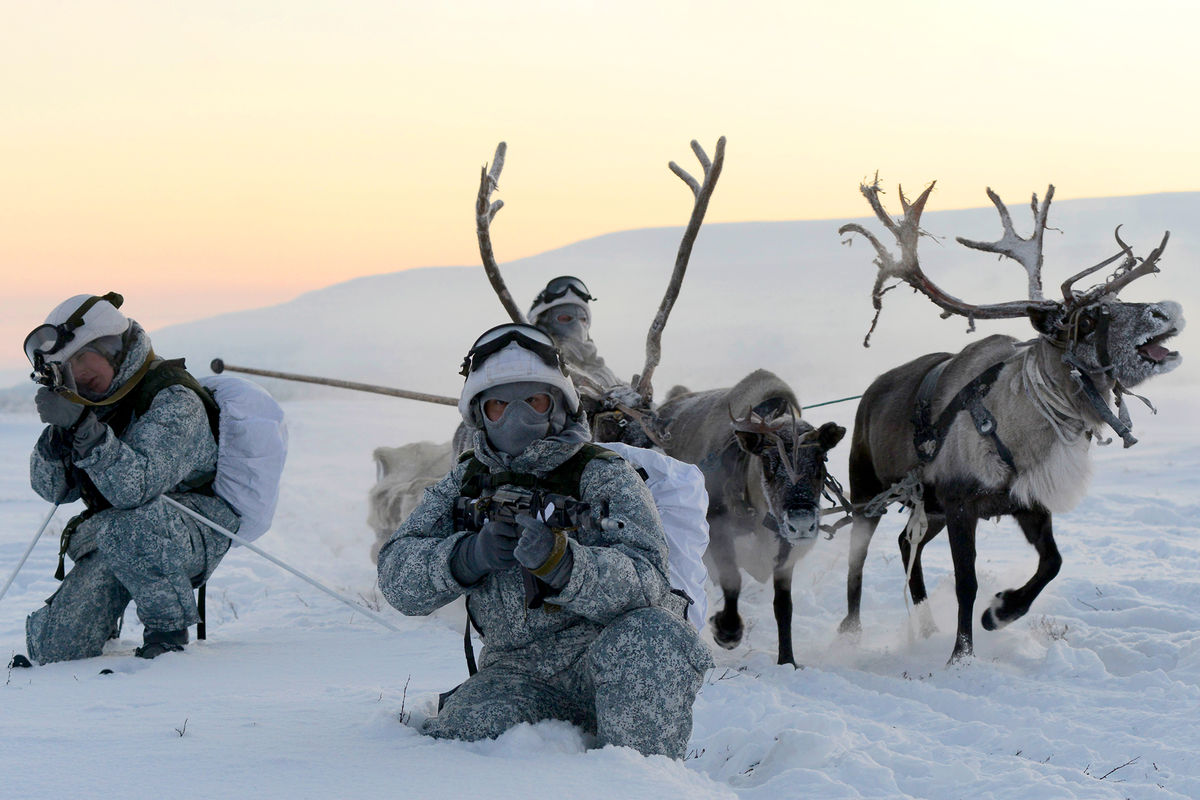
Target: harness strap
<point>928,435</point>
<point>201,628</point>
<point>1080,375</point>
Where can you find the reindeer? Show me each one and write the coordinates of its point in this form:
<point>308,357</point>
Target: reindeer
<point>764,471</point>
<point>1002,427</point>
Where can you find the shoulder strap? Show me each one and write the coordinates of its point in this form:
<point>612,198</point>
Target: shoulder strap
<point>565,478</point>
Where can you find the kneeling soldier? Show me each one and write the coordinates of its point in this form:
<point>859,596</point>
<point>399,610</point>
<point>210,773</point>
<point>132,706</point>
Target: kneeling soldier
<point>123,429</point>
<point>572,601</point>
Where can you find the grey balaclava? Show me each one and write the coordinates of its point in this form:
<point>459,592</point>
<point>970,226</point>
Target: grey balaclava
<point>575,329</point>
<point>520,425</point>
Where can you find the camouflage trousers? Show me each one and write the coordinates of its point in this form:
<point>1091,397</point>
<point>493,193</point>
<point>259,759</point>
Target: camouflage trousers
<point>153,554</point>
<point>634,686</point>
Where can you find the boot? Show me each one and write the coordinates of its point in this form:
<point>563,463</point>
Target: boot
<point>155,643</point>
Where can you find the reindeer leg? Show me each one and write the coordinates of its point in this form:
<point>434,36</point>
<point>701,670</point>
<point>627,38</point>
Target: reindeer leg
<point>961,524</point>
<point>1013,604</point>
<point>782,604</point>
<point>916,576</point>
<point>726,623</point>
<point>861,532</point>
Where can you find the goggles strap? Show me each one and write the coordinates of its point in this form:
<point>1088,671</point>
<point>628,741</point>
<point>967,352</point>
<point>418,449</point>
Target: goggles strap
<point>117,395</point>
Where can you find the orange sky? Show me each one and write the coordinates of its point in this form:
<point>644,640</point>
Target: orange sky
<point>202,157</point>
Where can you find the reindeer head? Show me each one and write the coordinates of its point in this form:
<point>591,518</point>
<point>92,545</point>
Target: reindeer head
<point>1122,343</point>
<point>790,455</point>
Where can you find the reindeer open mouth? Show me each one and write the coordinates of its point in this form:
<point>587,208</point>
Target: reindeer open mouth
<point>1152,349</point>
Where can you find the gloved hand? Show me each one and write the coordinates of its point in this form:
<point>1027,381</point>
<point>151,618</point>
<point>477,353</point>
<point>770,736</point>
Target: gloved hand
<point>88,433</point>
<point>544,552</point>
<point>490,550</point>
<point>54,409</point>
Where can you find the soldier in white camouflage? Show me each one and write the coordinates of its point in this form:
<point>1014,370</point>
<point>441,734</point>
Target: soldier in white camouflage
<point>578,624</point>
<point>123,429</point>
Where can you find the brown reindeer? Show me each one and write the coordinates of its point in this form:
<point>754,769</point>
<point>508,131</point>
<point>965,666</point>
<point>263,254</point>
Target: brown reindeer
<point>1002,427</point>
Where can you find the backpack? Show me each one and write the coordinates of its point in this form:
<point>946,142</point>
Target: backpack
<point>251,449</point>
<point>682,502</point>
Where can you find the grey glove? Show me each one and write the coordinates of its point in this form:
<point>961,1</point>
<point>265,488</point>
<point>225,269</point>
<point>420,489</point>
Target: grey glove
<point>490,550</point>
<point>88,433</point>
<point>56,410</point>
<point>544,552</point>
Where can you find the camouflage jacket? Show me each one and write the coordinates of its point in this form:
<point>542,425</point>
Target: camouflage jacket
<point>614,571</point>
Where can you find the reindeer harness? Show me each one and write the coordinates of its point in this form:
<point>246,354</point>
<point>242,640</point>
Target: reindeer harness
<point>929,434</point>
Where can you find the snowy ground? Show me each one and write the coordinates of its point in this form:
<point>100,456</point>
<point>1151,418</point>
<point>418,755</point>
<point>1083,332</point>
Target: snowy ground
<point>1096,694</point>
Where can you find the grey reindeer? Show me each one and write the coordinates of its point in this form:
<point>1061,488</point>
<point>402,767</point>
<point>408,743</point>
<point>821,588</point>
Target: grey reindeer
<point>1002,427</point>
<point>764,470</point>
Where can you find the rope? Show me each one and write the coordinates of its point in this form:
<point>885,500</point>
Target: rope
<point>1056,408</point>
<point>831,402</point>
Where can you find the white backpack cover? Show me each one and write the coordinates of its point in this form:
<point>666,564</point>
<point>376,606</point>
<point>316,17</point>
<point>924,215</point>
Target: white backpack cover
<point>251,450</point>
<point>682,503</point>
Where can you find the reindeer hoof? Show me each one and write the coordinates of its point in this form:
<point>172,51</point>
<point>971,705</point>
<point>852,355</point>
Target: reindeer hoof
<point>997,616</point>
<point>850,625</point>
<point>964,650</point>
<point>727,638</point>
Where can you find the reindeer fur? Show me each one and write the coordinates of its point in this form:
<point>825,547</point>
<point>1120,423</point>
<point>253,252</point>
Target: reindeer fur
<point>403,473</point>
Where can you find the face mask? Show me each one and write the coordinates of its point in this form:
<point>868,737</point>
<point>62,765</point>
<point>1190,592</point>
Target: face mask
<point>519,426</point>
<point>574,326</point>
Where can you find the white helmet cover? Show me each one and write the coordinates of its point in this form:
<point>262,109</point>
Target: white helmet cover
<point>102,319</point>
<point>514,364</point>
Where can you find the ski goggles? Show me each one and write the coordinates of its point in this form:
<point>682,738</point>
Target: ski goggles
<point>525,336</point>
<point>46,340</point>
<point>559,287</point>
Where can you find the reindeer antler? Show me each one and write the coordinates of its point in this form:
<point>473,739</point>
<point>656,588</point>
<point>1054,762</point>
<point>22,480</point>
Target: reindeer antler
<point>1027,252</point>
<point>485,210</point>
<point>908,268</point>
<point>1130,270</point>
<point>702,192</point>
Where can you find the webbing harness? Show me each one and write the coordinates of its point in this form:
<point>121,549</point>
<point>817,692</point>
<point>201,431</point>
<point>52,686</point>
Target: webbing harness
<point>563,479</point>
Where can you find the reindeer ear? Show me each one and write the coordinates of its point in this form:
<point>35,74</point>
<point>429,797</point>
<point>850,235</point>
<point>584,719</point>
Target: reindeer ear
<point>829,435</point>
<point>1045,321</point>
<point>749,441</point>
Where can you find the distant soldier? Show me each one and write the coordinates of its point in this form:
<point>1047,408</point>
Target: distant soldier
<point>562,310</point>
<point>578,621</point>
<point>123,429</point>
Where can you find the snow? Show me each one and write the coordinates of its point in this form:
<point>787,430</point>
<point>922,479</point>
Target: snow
<point>1094,694</point>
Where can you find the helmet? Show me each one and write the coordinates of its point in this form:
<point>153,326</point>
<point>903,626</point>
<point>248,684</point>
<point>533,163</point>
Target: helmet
<point>73,324</point>
<point>513,353</point>
<point>557,292</point>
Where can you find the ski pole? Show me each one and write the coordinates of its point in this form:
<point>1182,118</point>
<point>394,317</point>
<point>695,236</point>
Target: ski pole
<point>28,550</point>
<point>382,620</point>
<point>218,366</point>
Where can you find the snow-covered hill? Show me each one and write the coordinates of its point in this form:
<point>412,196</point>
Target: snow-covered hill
<point>788,296</point>
<point>1095,694</point>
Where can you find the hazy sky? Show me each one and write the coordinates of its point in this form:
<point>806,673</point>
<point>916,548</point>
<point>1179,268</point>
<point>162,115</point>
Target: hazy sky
<point>203,157</point>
